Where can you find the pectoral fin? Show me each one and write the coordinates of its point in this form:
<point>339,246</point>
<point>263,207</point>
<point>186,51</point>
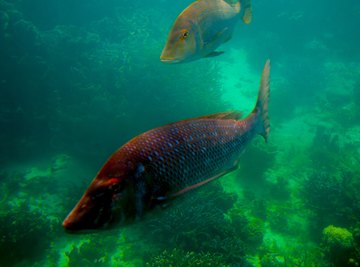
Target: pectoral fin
<point>215,38</point>
<point>215,54</point>
<point>191,187</point>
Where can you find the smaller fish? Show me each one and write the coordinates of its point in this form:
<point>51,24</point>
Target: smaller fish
<point>202,27</point>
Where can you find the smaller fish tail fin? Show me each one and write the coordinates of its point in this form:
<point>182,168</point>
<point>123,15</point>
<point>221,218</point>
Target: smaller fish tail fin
<point>262,104</point>
<point>247,16</point>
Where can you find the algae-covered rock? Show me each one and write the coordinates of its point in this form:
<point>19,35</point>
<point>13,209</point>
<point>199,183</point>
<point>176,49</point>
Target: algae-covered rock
<point>338,246</point>
<point>337,237</point>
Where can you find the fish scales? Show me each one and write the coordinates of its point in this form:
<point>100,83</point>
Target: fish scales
<point>197,149</point>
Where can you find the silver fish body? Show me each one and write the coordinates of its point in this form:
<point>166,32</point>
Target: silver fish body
<point>201,28</point>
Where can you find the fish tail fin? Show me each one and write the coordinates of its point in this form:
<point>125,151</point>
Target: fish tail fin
<point>262,103</point>
<point>247,16</point>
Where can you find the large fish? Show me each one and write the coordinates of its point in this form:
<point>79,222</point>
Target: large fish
<point>165,162</point>
<point>202,27</point>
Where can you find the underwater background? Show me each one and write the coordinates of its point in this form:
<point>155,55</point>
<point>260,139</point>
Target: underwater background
<point>78,79</point>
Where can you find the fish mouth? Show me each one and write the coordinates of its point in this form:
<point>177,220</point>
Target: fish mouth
<point>86,223</point>
<point>71,225</point>
<point>89,214</point>
<point>169,60</point>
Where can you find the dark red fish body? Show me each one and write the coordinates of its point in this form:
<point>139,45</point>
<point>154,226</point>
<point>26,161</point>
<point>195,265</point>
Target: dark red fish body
<point>183,154</point>
<point>167,161</point>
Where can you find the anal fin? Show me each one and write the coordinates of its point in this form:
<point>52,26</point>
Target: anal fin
<point>229,115</point>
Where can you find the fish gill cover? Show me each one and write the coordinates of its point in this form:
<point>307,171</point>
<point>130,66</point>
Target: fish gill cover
<point>79,79</point>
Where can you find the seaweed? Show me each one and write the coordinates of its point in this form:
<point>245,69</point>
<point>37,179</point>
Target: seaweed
<point>25,234</point>
<point>180,258</point>
<point>325,148</point>
<point>91,253</point>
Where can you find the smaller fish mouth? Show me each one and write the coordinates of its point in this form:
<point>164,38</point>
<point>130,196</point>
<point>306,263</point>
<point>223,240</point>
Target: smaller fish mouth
<point>169,60</point>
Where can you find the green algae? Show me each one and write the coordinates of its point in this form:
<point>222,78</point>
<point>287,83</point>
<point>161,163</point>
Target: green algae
<point>337,237</point>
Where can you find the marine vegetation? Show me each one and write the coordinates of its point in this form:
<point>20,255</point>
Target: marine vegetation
<point>18,231</point>
<point>180,258</point>
<point>90,252</point>
<point>338,246</point>
<point>194,225</point>
<point>24,218</point>
<point>337,238</point>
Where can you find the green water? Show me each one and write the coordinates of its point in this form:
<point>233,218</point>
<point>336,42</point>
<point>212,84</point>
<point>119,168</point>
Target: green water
<point>78,80</point>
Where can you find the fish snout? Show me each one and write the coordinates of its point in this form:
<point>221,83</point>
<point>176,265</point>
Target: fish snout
<point>168,59</point>
<point>89,213</point>
<point>68,224</point>
<point>168,55</point>
<point>72,222</point>
<point>75,221</point>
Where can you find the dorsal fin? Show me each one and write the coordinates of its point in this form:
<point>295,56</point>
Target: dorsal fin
<point>230,115</point>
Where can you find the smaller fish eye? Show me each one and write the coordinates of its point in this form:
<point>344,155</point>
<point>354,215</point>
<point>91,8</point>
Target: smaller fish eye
<point>184,35</point>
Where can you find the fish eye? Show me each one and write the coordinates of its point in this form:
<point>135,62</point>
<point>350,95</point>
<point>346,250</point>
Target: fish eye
<point>97,195</point>
<point>116,188</point>
<point>184,35</point>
